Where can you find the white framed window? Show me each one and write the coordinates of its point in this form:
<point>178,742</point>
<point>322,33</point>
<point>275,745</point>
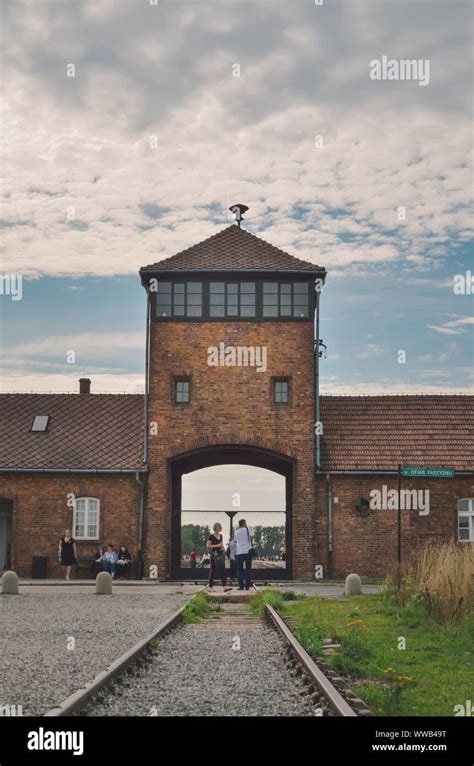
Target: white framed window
<point>86,518</point>
<point>466,520</point>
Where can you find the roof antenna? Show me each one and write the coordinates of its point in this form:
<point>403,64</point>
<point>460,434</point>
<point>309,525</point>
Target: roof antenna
<point>238,211</point>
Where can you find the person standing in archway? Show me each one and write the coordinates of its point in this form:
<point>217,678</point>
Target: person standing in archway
<point>215,545</point>
<point>243,538</point>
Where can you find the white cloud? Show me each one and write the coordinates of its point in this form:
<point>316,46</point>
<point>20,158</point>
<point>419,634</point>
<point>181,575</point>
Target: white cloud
<point>57,383</point>
<point>84,142</point>
<point>453,327</point>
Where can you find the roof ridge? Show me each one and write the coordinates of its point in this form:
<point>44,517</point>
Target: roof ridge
<point>392,396</point>
<point>67,393</point>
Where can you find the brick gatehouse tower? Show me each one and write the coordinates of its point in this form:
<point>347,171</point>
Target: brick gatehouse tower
<point>231,411</point>
<point>231,379</point>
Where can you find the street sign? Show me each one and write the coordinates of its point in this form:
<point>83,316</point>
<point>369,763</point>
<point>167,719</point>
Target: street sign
<point>429,473</point>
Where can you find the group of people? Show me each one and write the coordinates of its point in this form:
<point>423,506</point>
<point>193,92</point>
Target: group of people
<point>239,552</point>
<point>118,564</point>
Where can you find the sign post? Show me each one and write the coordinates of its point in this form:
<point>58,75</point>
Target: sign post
<point>428,473</point>
<point>409,471</point>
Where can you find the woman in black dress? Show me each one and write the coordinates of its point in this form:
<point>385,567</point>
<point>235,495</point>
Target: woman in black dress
<point>215,545</point>
<point>67,552</point>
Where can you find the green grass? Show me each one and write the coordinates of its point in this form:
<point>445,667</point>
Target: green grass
<point>429,677</point>
<point>276,599</point>
<point>199,608</point>
<point>263,597</point>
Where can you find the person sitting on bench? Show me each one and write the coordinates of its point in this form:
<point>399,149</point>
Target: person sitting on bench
<point>109,560</point>
<point>123,563</point>
<point>97,563</point>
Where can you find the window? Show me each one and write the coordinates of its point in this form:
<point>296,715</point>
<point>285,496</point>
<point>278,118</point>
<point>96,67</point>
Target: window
<point>40,423</point>
<point>282,299</point>
<point>179,299</point>
<point>232,299</point>
<point>286,299</point>
<point>281,390</point>
<point>466,520</point>
<point>86,518</point>
<point>182,391</point>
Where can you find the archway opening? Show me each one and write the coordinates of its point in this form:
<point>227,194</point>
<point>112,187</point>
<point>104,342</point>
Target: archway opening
<point>224,485</point>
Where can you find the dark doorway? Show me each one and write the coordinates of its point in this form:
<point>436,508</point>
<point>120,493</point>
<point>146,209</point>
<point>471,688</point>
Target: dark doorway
<point>224,484</point>
<point>6,514</point>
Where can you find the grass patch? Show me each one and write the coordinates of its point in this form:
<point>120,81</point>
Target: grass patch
<point>439,577</point>
<point>429,677</point>
<point>199,608</point>
<point>290,595</point>
<point>273,597</point>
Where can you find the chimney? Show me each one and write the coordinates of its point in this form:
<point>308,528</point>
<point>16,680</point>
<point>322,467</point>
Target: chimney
<point>84,385</point>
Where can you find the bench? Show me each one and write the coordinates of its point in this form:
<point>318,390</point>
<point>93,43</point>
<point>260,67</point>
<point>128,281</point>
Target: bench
<point>84,569</point>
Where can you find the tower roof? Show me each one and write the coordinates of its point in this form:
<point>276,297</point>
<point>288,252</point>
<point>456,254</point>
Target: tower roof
<point>233,249</point>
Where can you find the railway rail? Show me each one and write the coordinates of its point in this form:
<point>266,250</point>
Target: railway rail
<point>166,673</point>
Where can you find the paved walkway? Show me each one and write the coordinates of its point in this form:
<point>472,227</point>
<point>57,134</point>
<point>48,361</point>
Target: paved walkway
<point>83,586</point>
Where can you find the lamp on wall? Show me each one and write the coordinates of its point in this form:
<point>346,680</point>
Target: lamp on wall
<point>362,506</point>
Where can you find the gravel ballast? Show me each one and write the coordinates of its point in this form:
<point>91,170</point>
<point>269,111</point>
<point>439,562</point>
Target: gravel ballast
<point>195,671</point>
<point>38,670</point>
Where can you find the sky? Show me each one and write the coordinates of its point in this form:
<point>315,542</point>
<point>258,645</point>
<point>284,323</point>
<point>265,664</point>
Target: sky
<point>255,494</point>
<point>130,126</point>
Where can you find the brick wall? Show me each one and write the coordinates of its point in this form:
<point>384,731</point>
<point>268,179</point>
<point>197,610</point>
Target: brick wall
<point>368,545</point>
<point>41,514</point>
<point>231,405</point>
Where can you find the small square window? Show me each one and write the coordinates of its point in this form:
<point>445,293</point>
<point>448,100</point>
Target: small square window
<point>182,391</point>
<point>281,391</point>
<point>40,423</point>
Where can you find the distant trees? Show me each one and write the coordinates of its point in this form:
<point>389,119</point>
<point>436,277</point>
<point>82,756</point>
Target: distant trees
<point>194,536</point>
<point>267,540</point>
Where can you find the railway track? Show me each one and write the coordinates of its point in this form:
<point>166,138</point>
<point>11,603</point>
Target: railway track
<point>229,664</point>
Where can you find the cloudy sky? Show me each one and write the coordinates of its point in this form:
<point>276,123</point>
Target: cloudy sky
<point>129,126</point>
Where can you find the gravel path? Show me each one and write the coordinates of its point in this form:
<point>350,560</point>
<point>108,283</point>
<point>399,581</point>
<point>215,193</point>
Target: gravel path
<point>196,672</point>
<point>38,670</point>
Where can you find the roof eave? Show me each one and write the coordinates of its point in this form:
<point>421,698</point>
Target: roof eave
<point>22,469</point>
<point>147,272</point>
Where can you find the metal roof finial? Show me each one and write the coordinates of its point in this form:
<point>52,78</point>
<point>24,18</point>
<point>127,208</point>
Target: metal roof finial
<point>238,211</point>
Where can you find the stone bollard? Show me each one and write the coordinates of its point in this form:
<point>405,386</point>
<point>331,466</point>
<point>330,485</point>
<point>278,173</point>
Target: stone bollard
<point>353,585</point>
<point>103,584</point>
<point>10,584</point>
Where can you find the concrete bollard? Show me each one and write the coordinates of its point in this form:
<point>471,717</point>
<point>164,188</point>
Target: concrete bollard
<point>353,585</point>
<point>10,584</point>
<point>103,584</point>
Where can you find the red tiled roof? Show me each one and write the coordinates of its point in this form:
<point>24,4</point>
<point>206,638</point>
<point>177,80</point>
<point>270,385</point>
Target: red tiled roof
<point>379,432</point>
<point>369,433</point>
<point>86,431</point>
<point>233,249</point>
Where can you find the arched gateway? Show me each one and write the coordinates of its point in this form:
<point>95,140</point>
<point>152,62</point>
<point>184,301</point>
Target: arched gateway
<point>231,380</point>
<point>228,503</point>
